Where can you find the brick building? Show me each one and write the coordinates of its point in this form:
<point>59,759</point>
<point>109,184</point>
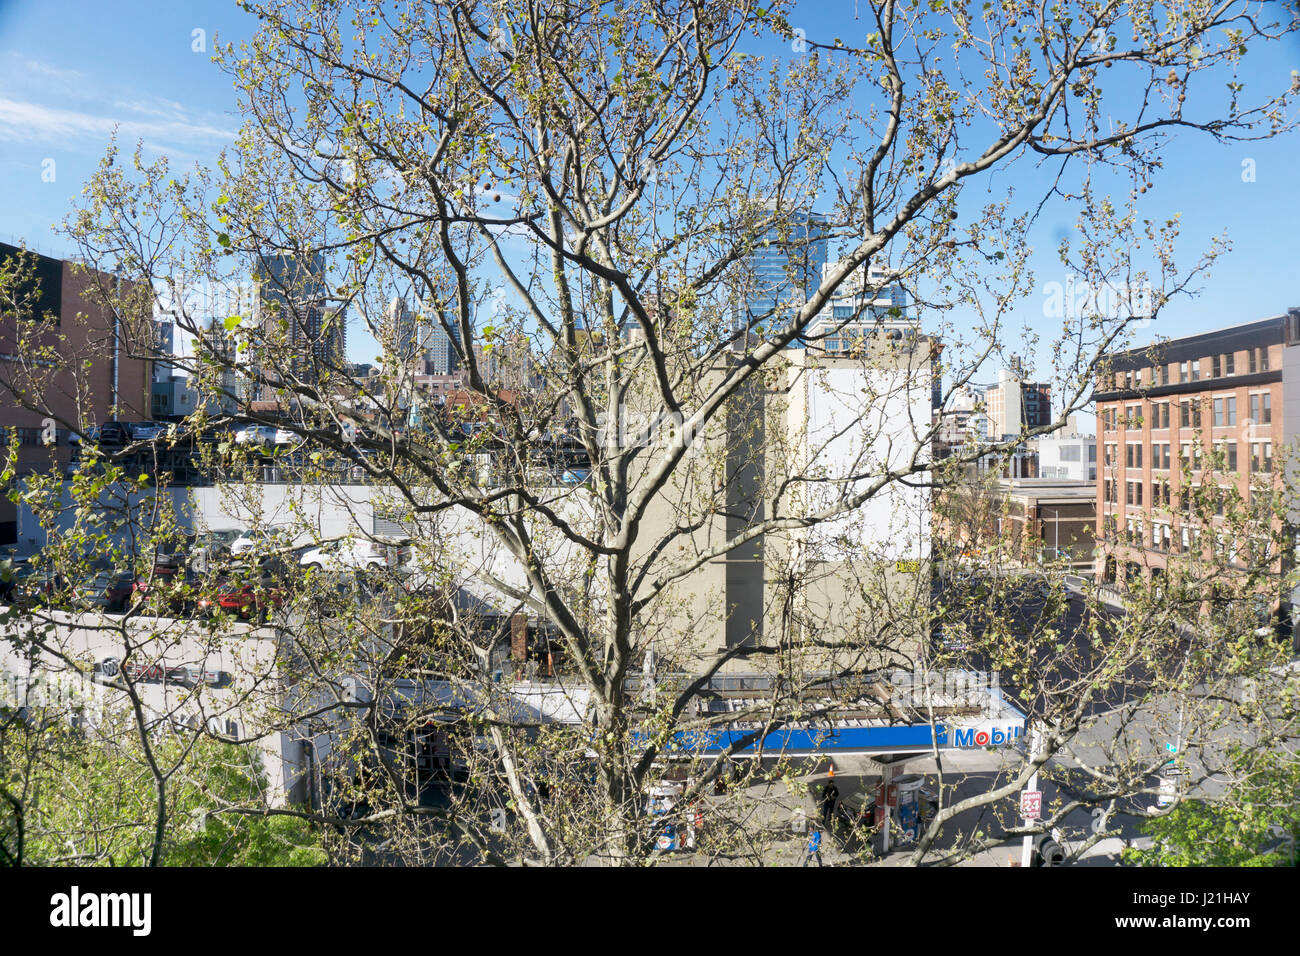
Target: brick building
<point>66,362</point>
<point>1216,402</point>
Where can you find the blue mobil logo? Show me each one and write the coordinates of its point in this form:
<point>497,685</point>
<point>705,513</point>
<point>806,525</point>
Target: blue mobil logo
<point>993,737</point>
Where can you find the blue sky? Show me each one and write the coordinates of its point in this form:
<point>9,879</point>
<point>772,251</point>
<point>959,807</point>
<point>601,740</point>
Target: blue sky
<point>71,71</point>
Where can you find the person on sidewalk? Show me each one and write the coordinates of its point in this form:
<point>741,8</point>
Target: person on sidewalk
<point>814,848</point>
<point>830,798</point>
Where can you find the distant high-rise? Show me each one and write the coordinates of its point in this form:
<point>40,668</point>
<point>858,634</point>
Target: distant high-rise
<point>401,330</point>
<point>422,338</point>
<point>784,269</point>
<point>440,349</point>
<point>1015,405</point>
<point>869,304</point>
<point>166,345</point>
<point>292,309</point>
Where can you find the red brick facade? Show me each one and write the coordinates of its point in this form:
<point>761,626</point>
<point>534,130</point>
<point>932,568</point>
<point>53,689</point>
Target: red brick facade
<point>1218,392</point>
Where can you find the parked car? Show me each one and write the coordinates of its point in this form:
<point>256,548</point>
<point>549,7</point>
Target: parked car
<point>251,591</point>
<point>169,587</point>
<point>109,434</point>
<point>337,593</point>
<point>113,434</point>
<point>175,548</point>
<point>271,538</point>
<point>110,590</point>
<point>265,435</point>
<point>217,542</point>
<point>255,435</point>
<point>145,431</point>
<point>27,582</point>
<point>367,553</point>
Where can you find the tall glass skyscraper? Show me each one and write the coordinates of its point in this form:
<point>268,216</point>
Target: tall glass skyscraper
<point>784,269</point>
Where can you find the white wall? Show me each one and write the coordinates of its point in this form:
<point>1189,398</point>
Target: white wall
<point>865,422</point>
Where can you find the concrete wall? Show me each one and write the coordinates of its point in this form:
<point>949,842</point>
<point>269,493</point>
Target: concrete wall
<point>239,695</point>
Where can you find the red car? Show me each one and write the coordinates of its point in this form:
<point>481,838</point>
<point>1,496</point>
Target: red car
<point>248,596</point>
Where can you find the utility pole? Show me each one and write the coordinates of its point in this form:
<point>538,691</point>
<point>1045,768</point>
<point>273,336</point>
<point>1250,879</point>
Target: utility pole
<point>1027,851</point>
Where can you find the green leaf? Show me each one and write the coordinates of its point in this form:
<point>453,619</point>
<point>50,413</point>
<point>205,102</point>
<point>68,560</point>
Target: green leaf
<point>223,240</point>
<point>232,322</point>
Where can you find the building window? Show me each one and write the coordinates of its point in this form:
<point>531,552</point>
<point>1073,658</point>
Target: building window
<point>1230,363</point>
<point>1225,412</point>
<point>1133,455</point>
<point>1227,452</point>
<point>1216,367</point>
<point>1261,408</point>
<point>1261,456</point>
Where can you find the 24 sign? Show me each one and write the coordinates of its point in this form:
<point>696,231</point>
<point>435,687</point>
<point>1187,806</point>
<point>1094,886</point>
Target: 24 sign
<point>1031,804</point>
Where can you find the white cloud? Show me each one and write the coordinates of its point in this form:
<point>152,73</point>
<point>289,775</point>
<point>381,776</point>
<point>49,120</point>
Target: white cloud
<point>33,123</point>
<point>14,61</point>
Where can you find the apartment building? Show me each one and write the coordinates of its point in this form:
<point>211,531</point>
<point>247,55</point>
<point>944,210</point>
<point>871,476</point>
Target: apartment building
<point>94,379</point>
<point>1015,405</point>
<point>1207,411</point>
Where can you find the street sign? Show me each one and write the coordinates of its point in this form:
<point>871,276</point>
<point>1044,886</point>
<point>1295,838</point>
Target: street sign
<point>1168,791</point>
<point>1031,804</point>
<point>905,566</point>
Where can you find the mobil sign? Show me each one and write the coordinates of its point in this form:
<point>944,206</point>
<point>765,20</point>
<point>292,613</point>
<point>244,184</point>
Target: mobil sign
<point>984,736</point>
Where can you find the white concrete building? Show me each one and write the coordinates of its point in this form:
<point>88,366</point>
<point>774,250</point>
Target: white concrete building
<point>1067,455</point>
